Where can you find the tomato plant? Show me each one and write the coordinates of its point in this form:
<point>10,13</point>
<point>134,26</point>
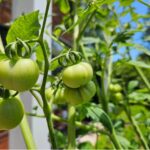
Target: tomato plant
<point>95,76</point>
<point>11,113</point>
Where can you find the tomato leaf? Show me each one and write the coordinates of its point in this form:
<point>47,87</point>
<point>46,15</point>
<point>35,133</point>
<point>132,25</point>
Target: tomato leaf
<point>60,138</point>
<point>132,85</point>
<point>139,64</point>
<point>123,141</point>
<point>26,27</point>
<point>94,112</point>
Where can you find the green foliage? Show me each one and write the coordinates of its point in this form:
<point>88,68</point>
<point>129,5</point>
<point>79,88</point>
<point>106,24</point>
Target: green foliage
<point>90,110</point>
<point>100,34</point>
<point>25,27</point>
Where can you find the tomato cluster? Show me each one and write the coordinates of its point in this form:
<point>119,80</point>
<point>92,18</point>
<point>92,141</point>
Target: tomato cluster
<point>115,91</point>
<point>78,87</point>
<point>11,113</point>
<point>56,95</point>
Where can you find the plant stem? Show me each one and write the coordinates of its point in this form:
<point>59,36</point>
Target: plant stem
<point>71,128</point>
<point>46,108</point>
<point>57,57</point>
<point>105,82</point>
<point>45,18</point>
<point>143,77</point>
<point>137,130</point>
<point>142,2</point>
<point>85,26</point>
<point>27,135</point>
<point>89,127</point>
<point>76,28</point>
<point>115,141</point>
<point>37,98</point>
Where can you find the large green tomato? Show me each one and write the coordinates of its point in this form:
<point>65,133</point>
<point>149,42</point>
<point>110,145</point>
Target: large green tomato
<point>80,95</point>
<point>58,97</point>
<point>77,75</point>
<point>19,75</point>
<point>11,113</point>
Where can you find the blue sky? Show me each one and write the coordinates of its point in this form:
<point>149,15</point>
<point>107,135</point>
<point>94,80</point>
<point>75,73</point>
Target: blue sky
<point>140,9</point>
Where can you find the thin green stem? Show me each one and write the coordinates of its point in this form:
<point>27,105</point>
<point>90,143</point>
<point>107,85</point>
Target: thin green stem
<point>115,141</point>
<point>59,42</point>
<point>46,108</point>
<point>37,98</point>
<point>71,128</point>
<point>85,26</point>
<point>143,77</point>
<point>106,77</point>
<point>89,127</point>
<point>57,57</point>
<point>45,18</point>
<point>76,28</point>
<point>142,2</point>
<point>137,129</point>
<point>27,135</point>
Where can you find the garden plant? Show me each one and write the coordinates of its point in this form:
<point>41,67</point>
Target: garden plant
<point>94,78</point>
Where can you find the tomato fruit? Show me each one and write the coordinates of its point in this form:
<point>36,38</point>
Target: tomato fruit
<point>19,75</point>
<point>58,97</point>
<point>11,113</point>
<point>49,93</point>
<point>115,88</point>
<point>83,94</point>
<point>118,96</point>
<point>77,75</point>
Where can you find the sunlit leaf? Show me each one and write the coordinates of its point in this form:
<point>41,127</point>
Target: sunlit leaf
<point>26,27</point>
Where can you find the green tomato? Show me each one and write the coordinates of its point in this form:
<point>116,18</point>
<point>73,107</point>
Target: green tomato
<point>80,95</point>
<point>58,97</point>
<point>19,75</point>
<point>118,96</point>
<point>49,93</point>
<point>115,88</point>
<point>11,113</point>
<point>77,75</point>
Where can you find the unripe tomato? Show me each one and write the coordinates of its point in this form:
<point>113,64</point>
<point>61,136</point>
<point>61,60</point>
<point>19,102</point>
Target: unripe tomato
<point>11,113</point>
<point>118,96</point>
<point>49,93</point>
<point>58,97</point>
<point>115,87</point>
<point>80,95</point>
<point>19,75</point>
<point>77,75</point>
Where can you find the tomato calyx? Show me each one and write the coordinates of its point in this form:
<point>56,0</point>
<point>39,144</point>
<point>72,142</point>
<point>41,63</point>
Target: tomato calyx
<point>16,49</point>
<point>71,58</point>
